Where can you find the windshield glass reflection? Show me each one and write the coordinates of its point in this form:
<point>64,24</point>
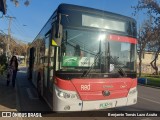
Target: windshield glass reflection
<point>82,47</point>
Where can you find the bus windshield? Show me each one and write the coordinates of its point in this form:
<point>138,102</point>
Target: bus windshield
<point>81,48</point>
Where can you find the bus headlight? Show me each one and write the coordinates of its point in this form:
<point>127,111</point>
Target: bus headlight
<point>132,91</point>
<point>67,94</point>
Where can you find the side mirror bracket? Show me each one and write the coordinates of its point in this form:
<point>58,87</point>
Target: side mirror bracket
<point>57,32</point>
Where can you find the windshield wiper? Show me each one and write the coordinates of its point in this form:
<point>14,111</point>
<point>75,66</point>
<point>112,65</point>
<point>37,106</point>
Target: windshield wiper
<point>120,70</point>
<point>85,73</point>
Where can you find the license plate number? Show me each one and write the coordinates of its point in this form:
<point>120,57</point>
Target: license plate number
<point>105,105</point>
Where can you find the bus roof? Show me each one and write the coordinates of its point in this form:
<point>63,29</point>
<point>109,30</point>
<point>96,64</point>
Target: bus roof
<point>64,6</point>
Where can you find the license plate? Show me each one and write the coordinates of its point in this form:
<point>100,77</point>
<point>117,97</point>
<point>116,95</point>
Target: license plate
<point>105,105</point>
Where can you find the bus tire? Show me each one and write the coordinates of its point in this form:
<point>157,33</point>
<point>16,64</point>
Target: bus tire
<point>39,84</point>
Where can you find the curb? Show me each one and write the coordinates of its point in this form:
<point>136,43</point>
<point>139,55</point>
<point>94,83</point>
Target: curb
<point>149,86</point>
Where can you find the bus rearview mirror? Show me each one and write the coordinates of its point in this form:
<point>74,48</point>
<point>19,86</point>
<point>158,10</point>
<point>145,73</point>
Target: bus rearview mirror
<point>57,35</point>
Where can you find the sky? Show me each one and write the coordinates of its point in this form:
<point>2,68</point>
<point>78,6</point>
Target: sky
<point>29,20</point>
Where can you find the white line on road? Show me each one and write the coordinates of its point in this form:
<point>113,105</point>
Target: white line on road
<point>150,100</point>
<point>22,71</point>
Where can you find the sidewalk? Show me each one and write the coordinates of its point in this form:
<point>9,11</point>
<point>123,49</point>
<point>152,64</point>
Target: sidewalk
<point>7,96</point>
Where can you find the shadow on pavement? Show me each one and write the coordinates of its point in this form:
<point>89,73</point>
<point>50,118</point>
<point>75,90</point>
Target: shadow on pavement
<point>7,96</point>
<point>28,100</point>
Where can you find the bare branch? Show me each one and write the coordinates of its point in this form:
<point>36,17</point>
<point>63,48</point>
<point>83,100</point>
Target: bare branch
<point>17,2</point>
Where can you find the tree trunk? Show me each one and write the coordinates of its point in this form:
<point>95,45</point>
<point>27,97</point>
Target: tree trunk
<point>140,69</point>
<point>154,66</point>
<point>154,62</point>
<point>140,64</point>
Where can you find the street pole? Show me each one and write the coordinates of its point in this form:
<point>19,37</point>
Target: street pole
<point>9,36</point>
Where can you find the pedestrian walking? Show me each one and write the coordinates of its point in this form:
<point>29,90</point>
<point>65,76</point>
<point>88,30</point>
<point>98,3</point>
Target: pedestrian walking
<point>12,70</point>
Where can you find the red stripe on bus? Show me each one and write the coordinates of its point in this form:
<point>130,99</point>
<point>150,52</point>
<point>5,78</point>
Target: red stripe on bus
<point>92,89</point>
<point>64,84</point>
<point>68,85</point>
<point>122,39</point>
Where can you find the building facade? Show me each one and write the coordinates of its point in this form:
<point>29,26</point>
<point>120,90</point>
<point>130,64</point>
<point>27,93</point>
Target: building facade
<point>147,57</point>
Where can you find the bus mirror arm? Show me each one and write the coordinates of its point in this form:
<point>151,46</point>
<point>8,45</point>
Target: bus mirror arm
<point>58,27</point>
<point>57,34</point>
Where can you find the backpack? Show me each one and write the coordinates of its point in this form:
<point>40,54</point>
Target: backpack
<point>9,73</point>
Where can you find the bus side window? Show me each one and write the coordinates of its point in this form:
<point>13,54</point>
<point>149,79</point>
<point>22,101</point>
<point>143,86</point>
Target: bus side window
<point>51,66</point>
<point>129,29</point>
<point>52,56</point>
<point>42,51</point>
<point>51,61</point>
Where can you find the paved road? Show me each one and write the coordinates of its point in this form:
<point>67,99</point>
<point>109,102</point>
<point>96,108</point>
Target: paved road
<point>148,100</point>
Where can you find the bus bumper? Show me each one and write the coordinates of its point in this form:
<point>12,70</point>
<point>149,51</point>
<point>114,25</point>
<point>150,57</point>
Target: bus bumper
<point>104,104</point>
<point>62,104</point>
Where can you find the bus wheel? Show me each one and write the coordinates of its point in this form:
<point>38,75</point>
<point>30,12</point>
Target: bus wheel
<point>39,84</point>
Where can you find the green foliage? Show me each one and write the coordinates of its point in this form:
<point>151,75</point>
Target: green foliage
<point>3,59</point>
<point>2,69</point>
<point>154,81</point>
<point>3,63</point>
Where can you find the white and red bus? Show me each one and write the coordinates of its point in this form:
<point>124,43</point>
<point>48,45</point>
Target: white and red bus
<point>85,59</point>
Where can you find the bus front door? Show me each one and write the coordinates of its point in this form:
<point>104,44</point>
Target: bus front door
<point>48,72</point>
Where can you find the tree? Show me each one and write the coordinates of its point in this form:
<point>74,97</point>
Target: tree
<point>155,46</point>
<point>144,37</point>
<point>152,8</point>
<point>3,43</point>
<point>3,63</point>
